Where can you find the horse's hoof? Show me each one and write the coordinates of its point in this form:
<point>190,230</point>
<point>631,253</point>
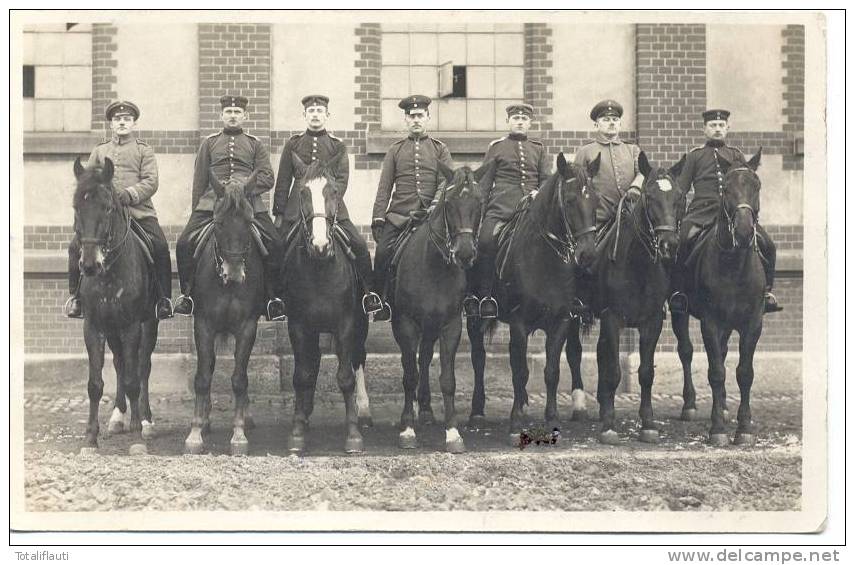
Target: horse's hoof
<point>455,446</point>
<point>580,415</point>
<point>88,451</point>
<point>248,422</point>
<point>719,440</point>
<point>426,418</point>
<point>689,414</point>
<point>147,429</point>
<point>407,439</point>
<point>239,447</point>
<point>477,422</point>
<point>365,422</point>
<point>353,445</point>
<point>649,436</point>
<point>114,428</point>
<point>193,447</point>
<point>609,437</point>
<point>744,439</point>
<point>138,449</point>
<point>296,444</point>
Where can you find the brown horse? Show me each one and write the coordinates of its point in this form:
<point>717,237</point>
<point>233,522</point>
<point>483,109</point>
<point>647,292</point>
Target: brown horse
<point>726,294</point>
<point>117,298</point>
<point>228,291</point>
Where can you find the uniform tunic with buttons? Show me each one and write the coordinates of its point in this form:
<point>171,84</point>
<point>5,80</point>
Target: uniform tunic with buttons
<point>703,170</point>
<point>231,154</point>
<point>309,146</point>
<point>618,170</point>
<point>135,170</point>
<point>410,167</point>
<point>522,165</point>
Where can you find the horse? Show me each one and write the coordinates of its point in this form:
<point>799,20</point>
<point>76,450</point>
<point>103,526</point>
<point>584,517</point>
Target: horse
<point>229,289</point>
<point>428,295</point>
<point>631,283</point>
<point>553,238</point>
<point>322,295</point>
<point>118,298</point>
<point>726,294</point>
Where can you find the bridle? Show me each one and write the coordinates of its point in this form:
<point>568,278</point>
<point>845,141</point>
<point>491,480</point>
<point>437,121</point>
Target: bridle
<point>111,254</point>
<point>305,221</point>
<point>445,244</point>
<point>649,234</point>
<point>565,249</point>
<point>731,219</point>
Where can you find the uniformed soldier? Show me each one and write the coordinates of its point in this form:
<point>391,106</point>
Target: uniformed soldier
<point>703,172</point>
<point>408,182</point>
<point>618,173</point>
<point>522,165</point>
<point>316,144</point>
<point>135,182</point>
<point>231,153</point>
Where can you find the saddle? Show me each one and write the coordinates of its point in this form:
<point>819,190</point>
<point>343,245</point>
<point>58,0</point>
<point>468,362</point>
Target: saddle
<point>200,237</point>
<point>408,229</point>
<point>143,240</point>
<point>506,234</point>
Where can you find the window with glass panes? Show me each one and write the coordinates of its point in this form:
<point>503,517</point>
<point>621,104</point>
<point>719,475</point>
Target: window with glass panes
<point>57,77</point>
<point>482,67</point>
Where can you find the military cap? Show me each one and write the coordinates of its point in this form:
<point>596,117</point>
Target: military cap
<point>315,100</point>
<point>415,102</point>
<point>122,107</point>
<point>520,108</point>
<point>710,115</point>
<point>606,108</point>
<point>233,101</point>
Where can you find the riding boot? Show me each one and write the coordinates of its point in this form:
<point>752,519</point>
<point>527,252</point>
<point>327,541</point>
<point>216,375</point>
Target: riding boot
<point>371,301</point>
<point>275,309</point>
<point>471,302</point>
<point>678,301</point>
<point>73,308</point>
<point>768,257</point>
<point>488,308</point>
<point>163,268</point>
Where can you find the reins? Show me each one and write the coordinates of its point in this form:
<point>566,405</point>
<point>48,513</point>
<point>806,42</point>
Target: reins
<point>730,220</point>
<point>565,249</point>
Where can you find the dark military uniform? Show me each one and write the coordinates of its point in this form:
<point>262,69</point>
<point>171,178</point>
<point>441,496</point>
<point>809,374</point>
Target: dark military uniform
<point>408,182</point>
<point>617,173</point>
<point>231,153</point>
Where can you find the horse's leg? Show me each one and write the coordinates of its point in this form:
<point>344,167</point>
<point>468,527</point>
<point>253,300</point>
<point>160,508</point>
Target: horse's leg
<point>648,338</point>
<point>407,335</point>
<point>205,356</point>
<point>519,372</point>
<point>363,408</point>
<point>147,344</point>
<point>244,342</point>
<point>715,375</point>
<point>131,338</point>
<point>685,349</point>
<point>426,417</point>
<point>745,378</point>
<point>95,349</point>
<point>573,352</point>
<point>449,341</point>
<point>725,338</point>
<point>347,384</point>
<point>304,344</point>
<point>119,417</point>
<point>608,373</point>
<point>479,358</point>
<point>555,338</point>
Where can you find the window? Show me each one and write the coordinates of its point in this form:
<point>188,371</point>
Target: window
<point>472,71</point>
<point>57,77</point>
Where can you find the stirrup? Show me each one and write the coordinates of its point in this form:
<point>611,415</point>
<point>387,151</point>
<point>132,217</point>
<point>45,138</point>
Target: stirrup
<point>384,314</point>
<point>770,303</point>
<point>488,308</point>
<point>67,308</point>
<point>471,306</point>
<point>371,303</point>
<point>180,300</point>
<point>273,303</point>
<point>168,313</point>
<point>679,303</point>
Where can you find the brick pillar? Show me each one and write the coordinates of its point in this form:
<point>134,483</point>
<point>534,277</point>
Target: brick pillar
<point>537,86</point>
<point>367,92</point>
<point>235,58</point>
<point>793,62</point>
<point>103,72</point>
<point>671,88</point>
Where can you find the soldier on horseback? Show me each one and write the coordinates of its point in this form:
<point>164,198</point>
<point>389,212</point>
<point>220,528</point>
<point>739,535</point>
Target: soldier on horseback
<point>703,172</point>
<point>229,153</point>
<point>410,167</point>
<point>135,182</point>
<point>522,165</point>
<point>317,144</point>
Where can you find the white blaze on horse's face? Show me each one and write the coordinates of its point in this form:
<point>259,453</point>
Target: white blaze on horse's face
<point>320,241</point>
<point>664,185</point>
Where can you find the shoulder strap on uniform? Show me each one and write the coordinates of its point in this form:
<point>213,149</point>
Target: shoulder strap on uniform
<point>215,134</point>
<point>331,136</point>
<point>141,142</point>
<point>536,141</point>
<point>495,141</point>
<point>249,135</point>
<point>698,147</point>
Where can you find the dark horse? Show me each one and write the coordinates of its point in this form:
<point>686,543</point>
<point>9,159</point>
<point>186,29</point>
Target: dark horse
<point>118,300</point>
<point>726,294</point>
<point>632,282</point>
<point>229,290</point>
<point>322,295</point>
<point>428,296</point>
<point>553,238</point>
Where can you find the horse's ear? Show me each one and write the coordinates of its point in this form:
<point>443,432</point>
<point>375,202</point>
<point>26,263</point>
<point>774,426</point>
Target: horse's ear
<point>724,163</point>
<point>644,164</point>
<point>218,187</point>
<point>299,165</point>
<point>678,167</point>
<point>78,168</point>
<point>754,161</point>
<point>594,166</point>
<point>107,171</point>
<point>446,171</point>
<point>563,166</point>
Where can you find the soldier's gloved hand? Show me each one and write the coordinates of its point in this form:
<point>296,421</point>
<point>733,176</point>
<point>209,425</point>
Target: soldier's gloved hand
<point>633,194</point>
<point>124,197</point>
<point>533,194</point>
<point>377,228</point>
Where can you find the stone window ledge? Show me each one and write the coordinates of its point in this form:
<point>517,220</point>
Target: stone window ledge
<point>60,143</point>
<point>457,141</point>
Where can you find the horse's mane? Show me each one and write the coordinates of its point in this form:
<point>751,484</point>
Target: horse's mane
<point>546,198</point>
<point>316,170</point>
<point>455,187</point>
<point>233,199</point>
<point>88,183</point>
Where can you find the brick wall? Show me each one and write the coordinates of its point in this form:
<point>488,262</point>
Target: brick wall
<point>538,74</point>
<point>671,88</point>
<point>793,62</point>
<point>367,93</point>
<point>104,66</point>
